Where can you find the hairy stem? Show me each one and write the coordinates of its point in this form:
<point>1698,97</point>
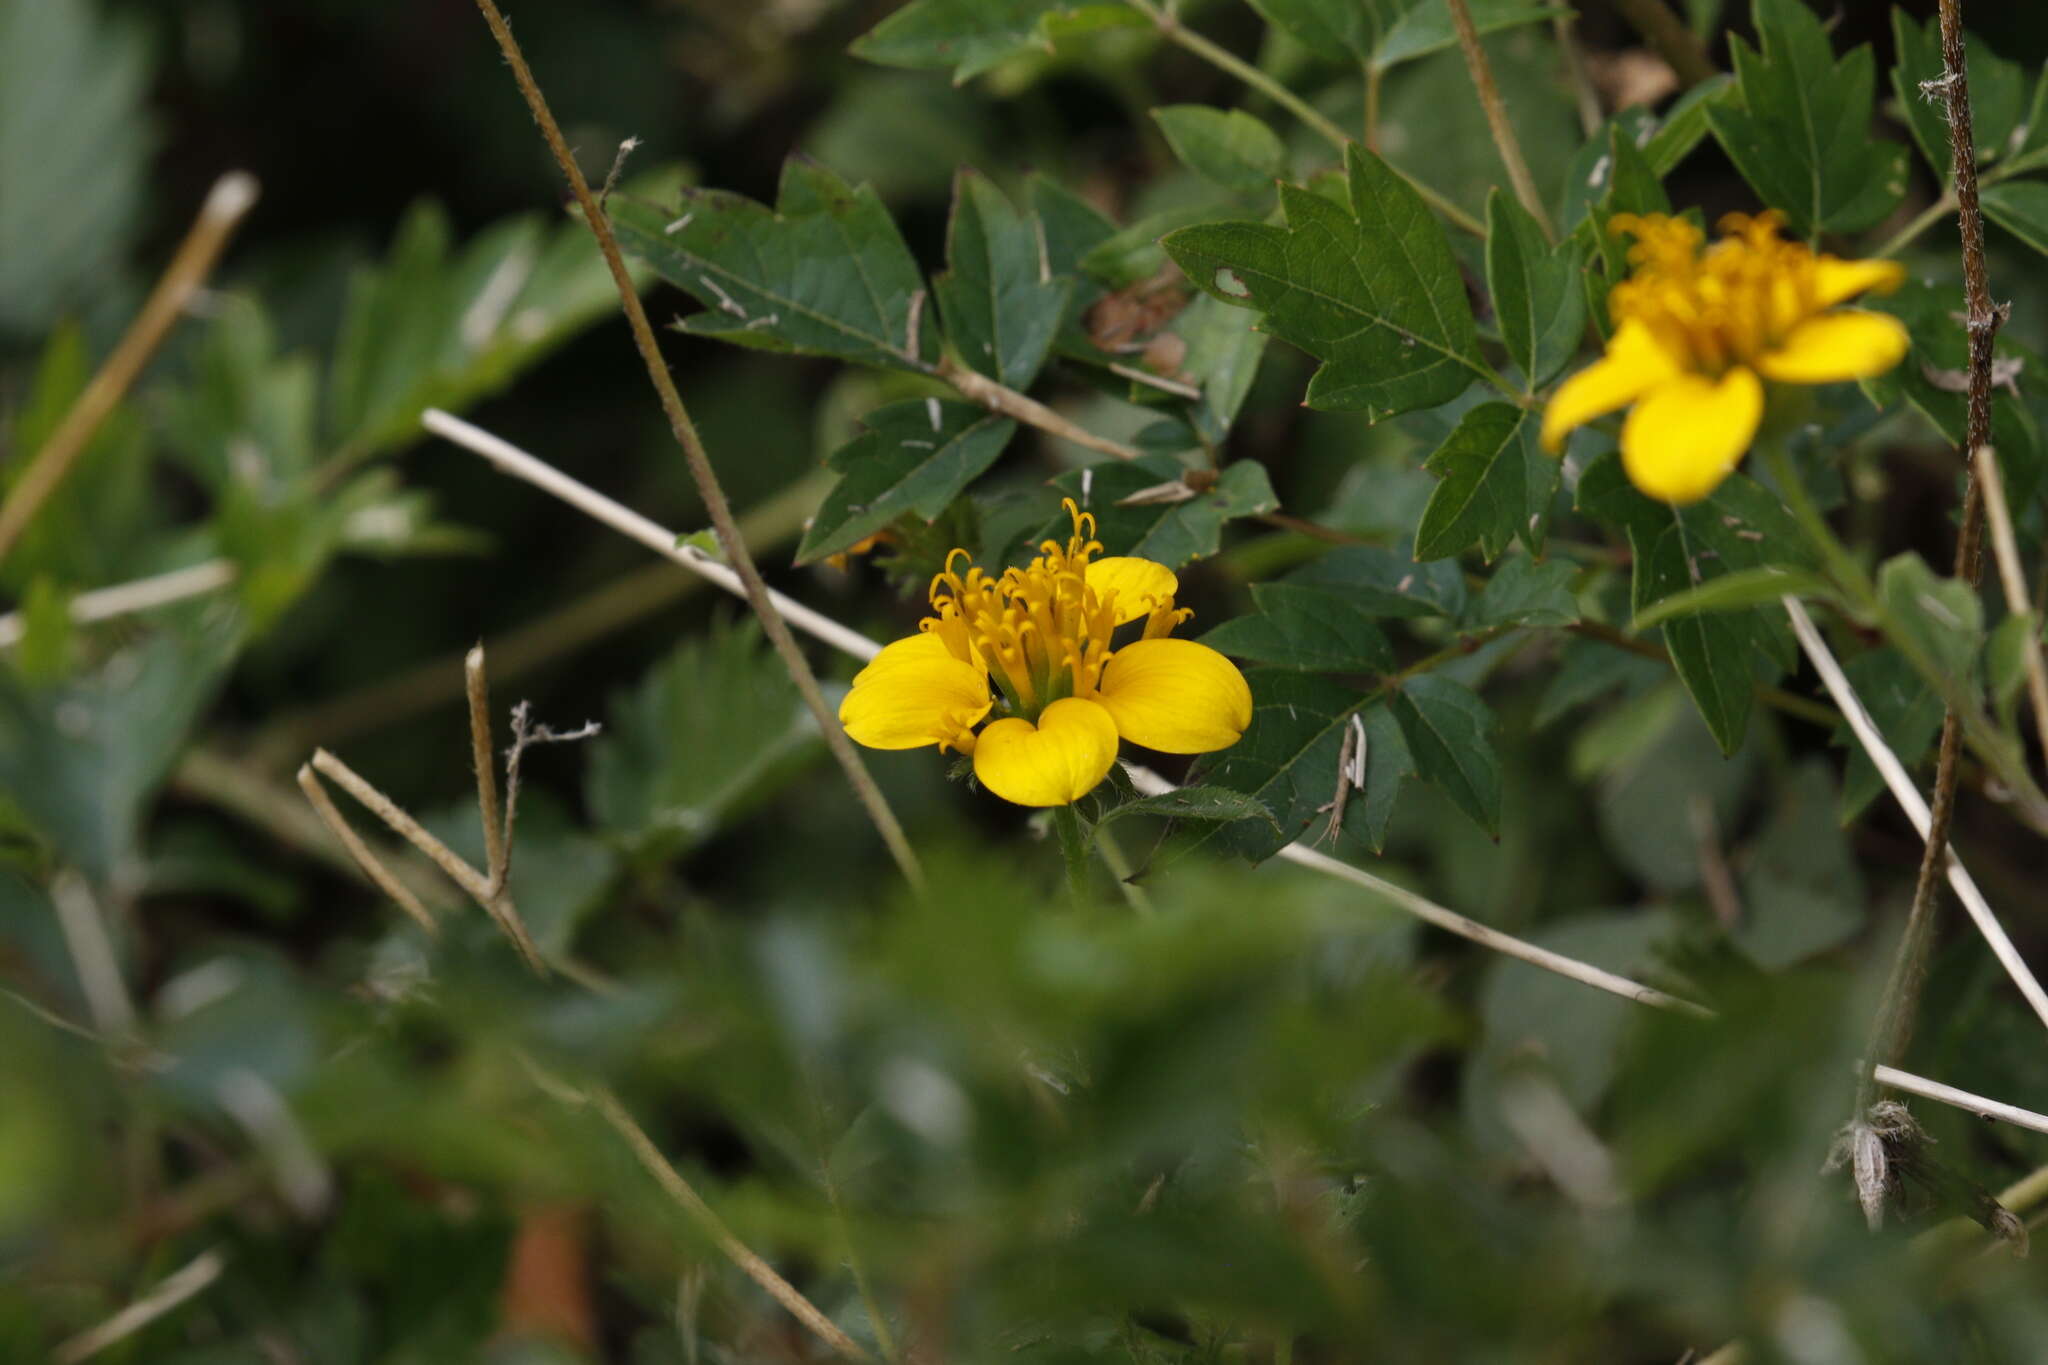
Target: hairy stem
<point>1496,110</point>
<point>699,462</point>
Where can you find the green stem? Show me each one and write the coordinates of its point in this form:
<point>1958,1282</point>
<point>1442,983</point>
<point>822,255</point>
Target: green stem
<point>1121,868</point>
<point>1073,849</point>
<point>1835,557</point>
<point>1925,219</point>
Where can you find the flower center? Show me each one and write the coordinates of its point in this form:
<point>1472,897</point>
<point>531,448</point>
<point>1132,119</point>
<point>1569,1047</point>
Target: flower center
<point>1718,307</point>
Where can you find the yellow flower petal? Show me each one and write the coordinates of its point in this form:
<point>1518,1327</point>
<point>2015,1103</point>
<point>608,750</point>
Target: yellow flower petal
<point>1175,696</point>
<point>1635,362</point>
<point>1835,280</point>
<point>1053,763</point>
<point>914,693</point>
<point>1685,435</point>
<point>1139,584</point>
<point>1849,343</point>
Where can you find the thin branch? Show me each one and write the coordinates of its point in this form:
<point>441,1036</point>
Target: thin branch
<point>2005,550</point>
<point>175,1288</point>
<point>124,599</point>
<point>83,924</point>
<point>231,197</point>
<point>1504,139</point>
<point>373,867</point>
<point>979,388</point>
<point>714,1227</point>
<point>699,462</point>
<point>1961,1099</point>
<point>478,687</point>
<point>510,459</point>
<point>1666,32</point>
<point>1908,796</point>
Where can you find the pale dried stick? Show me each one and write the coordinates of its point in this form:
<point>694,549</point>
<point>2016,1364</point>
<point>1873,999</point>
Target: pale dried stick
<point>1961,1099</point>
<point>1496,110</point>
<point>544,476</point>
<point>699,461</point>
<point>372,866</point>
<point>84,927</point>
<point>756,1269</point>
<point>495,904</point>
<point>1909,799</point>
<point>2005,549</point>
<point>979,388</point>
<point>478,688</point>
<point>231,197</point>
<point>175,1288</point>
<point>852,642</point>
<point>123,599</point>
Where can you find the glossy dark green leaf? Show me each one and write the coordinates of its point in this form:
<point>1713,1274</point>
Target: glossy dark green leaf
<point>1383,33</point>
<point>1311,629</point>
<point>1538,303</point>
<point>1485,493</point>
<point>1450,735</point>
<point>1799,130</point>
<point>1229,147</point>
<point>1288,758</point>
<point>1426,26</point>
<point>1369,287</point>
<point>1386,582</point>
<point>1139,511</point>
<point>913,457</point>
<point>968,37</point>
<point>1195,803</point>
<point>825,272</point>
<point>1001,303</point>
<point>1528,592</point>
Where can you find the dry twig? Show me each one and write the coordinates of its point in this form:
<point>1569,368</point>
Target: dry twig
<point>2005,549</point>
<point>1504,139</point>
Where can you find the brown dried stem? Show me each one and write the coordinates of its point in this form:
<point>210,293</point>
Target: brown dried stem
<point>477,686</point>
<point>372,866</point>
<point>1496,110</point>
<point>226,204</point>
<point>979,388</point>
<point>699,462</point>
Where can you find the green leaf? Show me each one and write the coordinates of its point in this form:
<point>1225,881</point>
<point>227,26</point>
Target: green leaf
<point>1370,288</point>
<point>1907,713</point>
<point>1528,592</point>
<point>2000,95</point>
<point>1590,669</point>
<point>913,457</point>
<point>708,731</point>
<point>1388,582</point>
<point>1287,759</point>
<point>1382,33</point>
<point>1761,586</point>
<point>1450,734</point>
<point>1538,303</point>
<point>761,273</point>
<point>2006,652</point>
<point>1684,124</point>
<point>1800,131</point>
<point>1162,525</point>
<point>83,758</point>
<point>76,139</point>
<point>1802,889</point>
<point>1195,803</point>
<point>1426,26</point>
<point>1001,303</point>
<point>970,36</point>
<point>1939,620</point>
<point>1231,148</point>
<point>2021,208</point>
<point>1310,629</point>
<point>1485,493</point>
<point>1225,346</point>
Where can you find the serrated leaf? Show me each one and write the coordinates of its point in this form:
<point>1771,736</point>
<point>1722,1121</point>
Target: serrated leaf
<point>825,272</point>
<point>2021,208</point>
<point>970,36</point>
<point>1170,532</point>
<point>1000,301</point>
<point>75,143</point>
<point>1538,303</point>
<point>2000,95</point>
<point>1309,629</point>
<point>1388,582</point>
<point>1287,759</point>
<point>706,732</point>
<point>1799,130</point>
<point>1450,735</point>
<point>1761,586</point>
<point>1484,494</point>
<point>1195,803</point>
<point>1369,287</point>
<point>1528,592</point>
<point>1383,33</point>
<point>914,457</point>
<point>1941,620</point>
<point>1229,147</point>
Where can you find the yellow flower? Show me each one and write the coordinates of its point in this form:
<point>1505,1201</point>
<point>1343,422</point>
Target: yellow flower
<point>1697,332</point>
<point>1042,635</point>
